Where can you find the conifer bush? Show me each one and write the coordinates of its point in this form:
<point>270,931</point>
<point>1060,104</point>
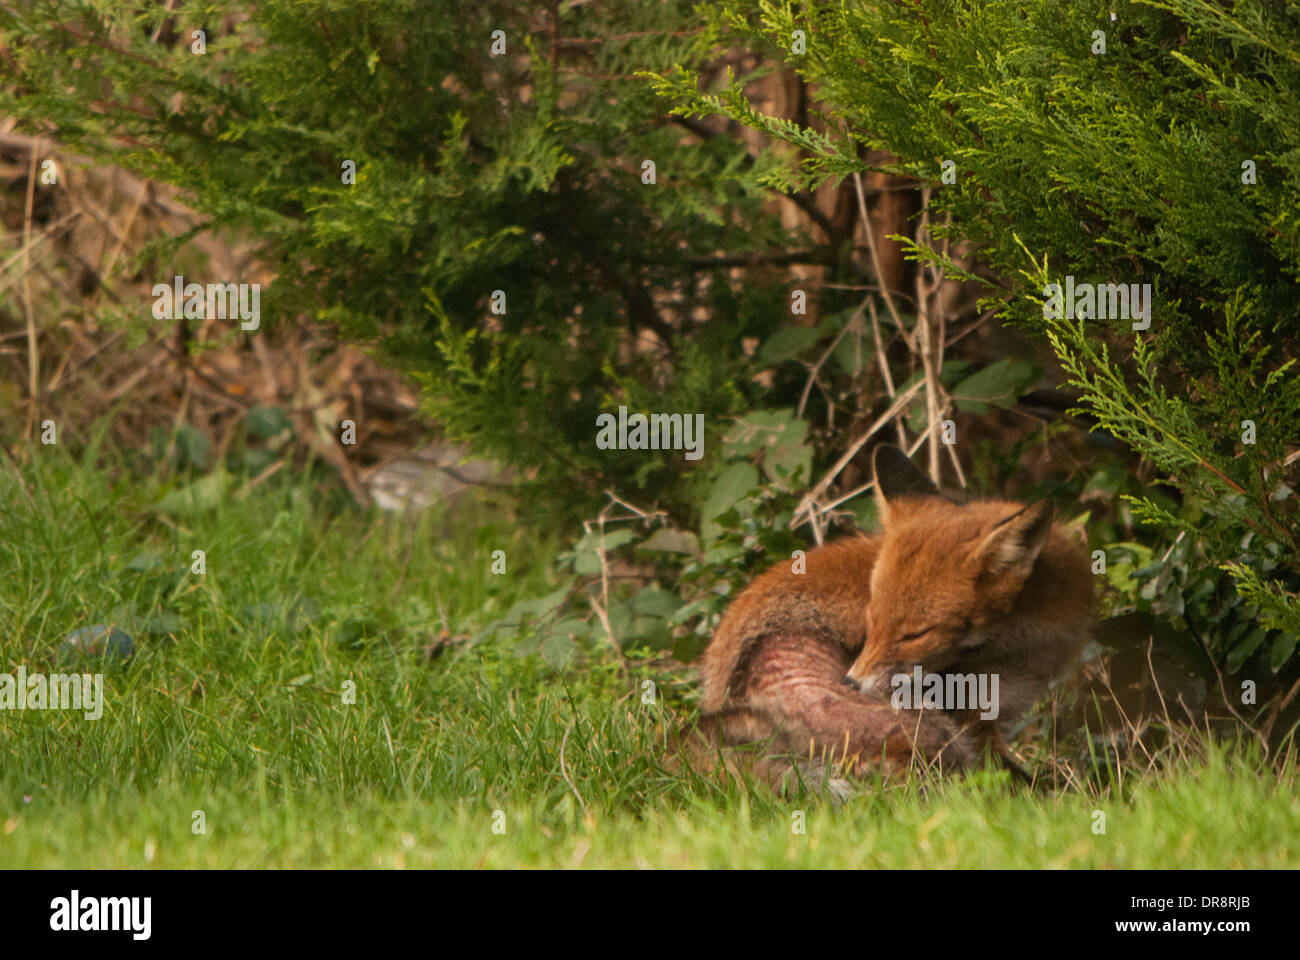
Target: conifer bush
<point>467,185</point>
<point>1133,144</point>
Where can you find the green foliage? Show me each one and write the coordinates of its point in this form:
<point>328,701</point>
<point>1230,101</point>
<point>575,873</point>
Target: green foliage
<point>744,524</point>
<point>475,173</point>
<point>1123,166</point>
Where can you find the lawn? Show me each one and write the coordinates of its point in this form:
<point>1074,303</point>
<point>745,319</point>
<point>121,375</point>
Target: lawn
<point>279,710</point>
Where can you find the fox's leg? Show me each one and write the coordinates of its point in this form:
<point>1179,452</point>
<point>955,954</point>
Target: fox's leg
<point>796,682</point>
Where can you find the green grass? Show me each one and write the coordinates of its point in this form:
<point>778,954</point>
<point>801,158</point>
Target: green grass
<point>233,704</point>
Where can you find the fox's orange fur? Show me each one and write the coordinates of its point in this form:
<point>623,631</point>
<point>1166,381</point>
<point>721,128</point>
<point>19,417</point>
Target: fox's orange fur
<point>802,662</point>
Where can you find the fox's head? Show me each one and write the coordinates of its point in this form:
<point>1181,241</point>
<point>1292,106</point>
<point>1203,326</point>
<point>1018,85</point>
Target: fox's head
<point>946,577</point>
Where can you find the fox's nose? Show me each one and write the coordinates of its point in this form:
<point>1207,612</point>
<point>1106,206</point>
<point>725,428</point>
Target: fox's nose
<point>866,684</point>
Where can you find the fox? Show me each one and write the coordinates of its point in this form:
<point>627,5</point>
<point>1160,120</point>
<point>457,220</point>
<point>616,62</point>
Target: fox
<point>801,665</point>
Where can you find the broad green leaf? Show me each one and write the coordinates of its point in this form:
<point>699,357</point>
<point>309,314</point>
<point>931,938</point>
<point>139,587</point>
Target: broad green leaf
<point>558,646</point>
<point>672,541</point>
<point>997,385</point>
<point>655,602</point>
<point>1283,646</point>
<point>758,430</point>
<point>788,343</point>
<point>735,483</point>
<point>145,562</point>
<point>197,497</point>
<point>649,631</point>
<point>267,422</point>
<point>1248,645</point>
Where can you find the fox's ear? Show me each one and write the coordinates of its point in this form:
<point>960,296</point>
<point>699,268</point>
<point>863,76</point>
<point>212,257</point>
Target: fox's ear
<point>897,476</point>
<point>1010,550</point>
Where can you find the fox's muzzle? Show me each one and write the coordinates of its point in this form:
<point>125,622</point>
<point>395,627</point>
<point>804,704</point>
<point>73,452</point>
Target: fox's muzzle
<point>872,679</point>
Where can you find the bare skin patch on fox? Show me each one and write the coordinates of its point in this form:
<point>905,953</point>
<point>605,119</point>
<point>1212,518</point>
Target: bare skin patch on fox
<point>797,684</point>
<point>827,599</point>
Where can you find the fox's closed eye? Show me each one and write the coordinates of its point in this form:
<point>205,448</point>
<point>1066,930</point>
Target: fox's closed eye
<point>916,634</point>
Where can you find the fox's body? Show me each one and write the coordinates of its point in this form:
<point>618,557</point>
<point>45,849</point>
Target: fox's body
<point>802,661</point>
